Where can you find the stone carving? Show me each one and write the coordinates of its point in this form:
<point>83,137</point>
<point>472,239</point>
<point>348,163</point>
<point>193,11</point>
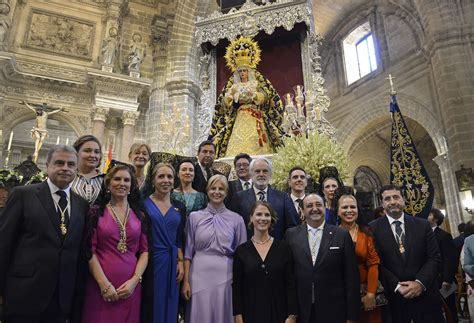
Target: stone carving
<point>100,114</point>
<point>3,31</point>
<point>110,47</point>
<point>60,34</point>
<point>137,53</point>
<point>251,18</point>
<point>130,117</point>
<point>49,71</point>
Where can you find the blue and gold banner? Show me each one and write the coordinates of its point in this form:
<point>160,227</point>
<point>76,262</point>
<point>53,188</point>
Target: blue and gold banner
<point>406,167</point>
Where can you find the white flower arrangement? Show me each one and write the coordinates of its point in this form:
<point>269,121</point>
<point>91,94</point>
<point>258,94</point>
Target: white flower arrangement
<point>311,153</point>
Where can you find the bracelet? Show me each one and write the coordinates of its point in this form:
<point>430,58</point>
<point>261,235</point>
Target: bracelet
<point>106,289</point>
<point>292,317</point>
<point>180,259</point>
<point>138,276</point>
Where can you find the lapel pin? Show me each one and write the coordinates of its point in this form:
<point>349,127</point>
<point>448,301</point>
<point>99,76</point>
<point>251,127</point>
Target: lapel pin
<point>330,232</point>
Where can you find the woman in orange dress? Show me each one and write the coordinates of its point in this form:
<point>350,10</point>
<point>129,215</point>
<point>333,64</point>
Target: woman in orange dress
<point>367,257</point>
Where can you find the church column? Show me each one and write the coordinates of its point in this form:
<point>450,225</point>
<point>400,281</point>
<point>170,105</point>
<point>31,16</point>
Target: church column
<point>98,122</point>
<point>129,119</point>
<point>454,210</point>
<point>449,49</point>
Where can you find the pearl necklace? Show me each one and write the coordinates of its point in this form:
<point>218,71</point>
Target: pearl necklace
<point>270,238</point>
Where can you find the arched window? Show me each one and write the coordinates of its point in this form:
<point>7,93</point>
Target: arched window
<point>359,53</point>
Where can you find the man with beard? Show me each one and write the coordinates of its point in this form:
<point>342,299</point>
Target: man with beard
<point>297,181</point>
<point>203,168</point>
<point>325,267</point>
<point>261,173</point>
<point>40,238</point>
<point>410,260</point>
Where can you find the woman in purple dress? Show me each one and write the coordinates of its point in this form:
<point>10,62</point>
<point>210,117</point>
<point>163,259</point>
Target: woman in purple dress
<point>212,235</point>
<point>117,252</point>
<point>166,270</point>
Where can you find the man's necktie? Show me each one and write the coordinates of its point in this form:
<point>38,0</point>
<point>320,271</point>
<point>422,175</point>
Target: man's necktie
<point>300,203</point>
<point>62,210</point>
<point>246,185</point>
<point>400,236</point>
<point>208,172</point>
<point>261,196</point>
<point>314,244</point>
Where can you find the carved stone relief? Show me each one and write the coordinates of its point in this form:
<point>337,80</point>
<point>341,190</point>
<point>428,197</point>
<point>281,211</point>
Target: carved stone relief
<point>130,117</point>
<point>60,34</point>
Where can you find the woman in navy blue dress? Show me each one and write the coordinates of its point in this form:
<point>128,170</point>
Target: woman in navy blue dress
<point>167,220</point>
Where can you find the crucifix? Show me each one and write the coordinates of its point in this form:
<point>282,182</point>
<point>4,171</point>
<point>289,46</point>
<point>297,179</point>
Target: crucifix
<point>40,131</point>
<point>392,89</point>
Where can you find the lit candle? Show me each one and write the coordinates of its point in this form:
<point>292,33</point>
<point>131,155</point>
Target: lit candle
<point>10,141</point>
<point>288,99</point>
<point>57,141</point>
<point>67,141</point>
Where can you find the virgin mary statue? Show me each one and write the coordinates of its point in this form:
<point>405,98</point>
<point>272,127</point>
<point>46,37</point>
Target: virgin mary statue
<point>249,113</point>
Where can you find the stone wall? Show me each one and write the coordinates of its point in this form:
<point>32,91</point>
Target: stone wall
<point>427,51</point>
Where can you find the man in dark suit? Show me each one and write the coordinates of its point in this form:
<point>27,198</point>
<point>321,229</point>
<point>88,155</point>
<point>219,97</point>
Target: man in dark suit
<point>261,173</point>
<point>449,259</point>
<point>203,168</point>
<point>410,260</point>
<point>298,181</point>
<point>325,267</point>
<point>244,181</point>
<point>40,237</point>
<point>459,240</point>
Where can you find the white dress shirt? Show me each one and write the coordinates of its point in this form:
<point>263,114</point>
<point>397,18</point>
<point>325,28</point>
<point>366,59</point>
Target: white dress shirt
<point>314,238</point>
<point>243,182</point>
<point>393,225</point>
<point>297,205</point>
<point>53,189</point>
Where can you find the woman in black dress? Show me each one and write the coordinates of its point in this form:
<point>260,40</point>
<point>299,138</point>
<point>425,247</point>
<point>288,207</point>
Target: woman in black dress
<point>263,287</point>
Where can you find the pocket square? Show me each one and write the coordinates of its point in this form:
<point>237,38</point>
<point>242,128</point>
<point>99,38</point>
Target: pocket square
<point>334,248</point>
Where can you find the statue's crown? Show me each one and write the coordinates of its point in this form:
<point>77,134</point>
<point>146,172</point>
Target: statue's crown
<point>242,52</point>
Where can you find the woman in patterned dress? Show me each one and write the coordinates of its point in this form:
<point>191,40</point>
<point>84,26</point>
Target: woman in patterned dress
<point>89,180</point>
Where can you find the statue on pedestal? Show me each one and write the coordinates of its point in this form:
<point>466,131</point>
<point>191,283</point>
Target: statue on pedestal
<point>40,131</point>
<point>137,53</point>
<point>110,49</point>
<point>249,112</point>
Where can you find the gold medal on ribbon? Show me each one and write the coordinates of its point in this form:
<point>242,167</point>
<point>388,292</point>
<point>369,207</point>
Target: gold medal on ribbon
<point>63,229</point>
<point>402,249</point>
<point>122,246</point>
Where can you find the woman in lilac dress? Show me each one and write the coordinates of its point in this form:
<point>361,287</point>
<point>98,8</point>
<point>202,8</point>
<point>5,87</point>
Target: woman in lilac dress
<point>212,235</point>
<point>117,251</point>
<point>166,270</point>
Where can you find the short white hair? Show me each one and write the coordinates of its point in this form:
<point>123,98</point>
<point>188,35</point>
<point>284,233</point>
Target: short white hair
<point>266,160</point>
